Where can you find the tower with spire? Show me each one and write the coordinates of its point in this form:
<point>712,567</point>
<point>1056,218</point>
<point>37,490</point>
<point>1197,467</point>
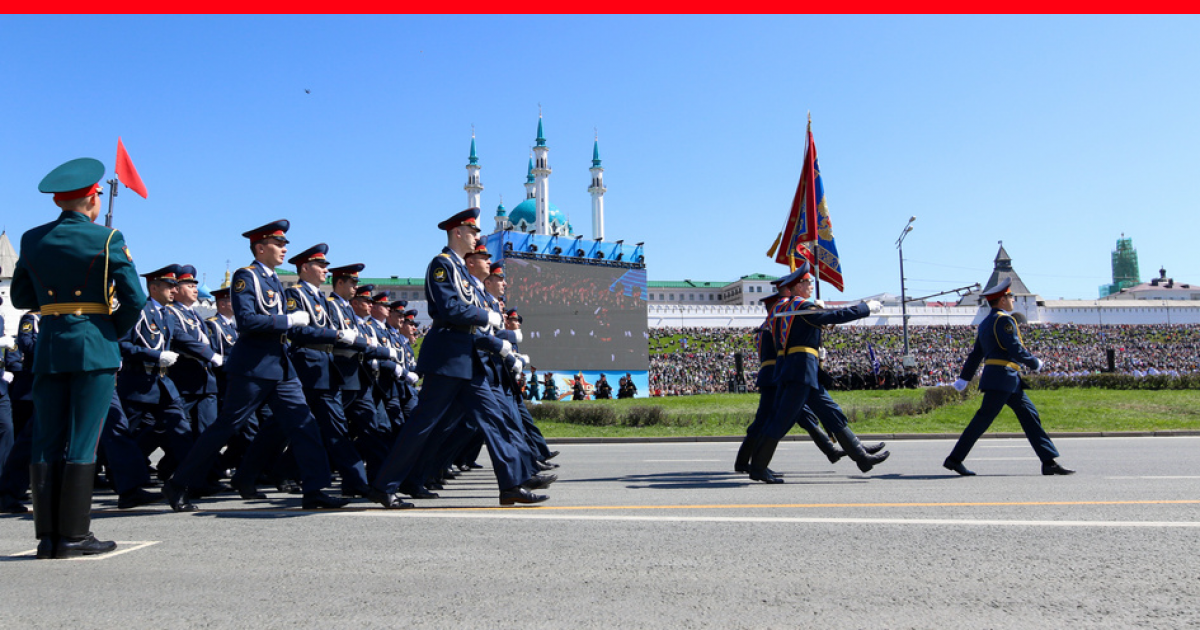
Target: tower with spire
<point>473,187</point>
<point>529,181</point>
<point>597,191</point>
<point>541,181</point>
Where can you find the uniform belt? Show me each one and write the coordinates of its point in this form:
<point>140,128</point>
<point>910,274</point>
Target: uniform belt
<point>155,369</point>
<point>767,362</point>
<point>1015,366</point>
<point>345,352</point>
<point>795,349</point>
<point>319,347</point>
<point>454,327</point>
<point>76,308</point>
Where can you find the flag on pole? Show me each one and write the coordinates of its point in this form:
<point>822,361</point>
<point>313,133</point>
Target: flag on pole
<point>126,171</point>
<point>801,224</point>
<point>874,359</point>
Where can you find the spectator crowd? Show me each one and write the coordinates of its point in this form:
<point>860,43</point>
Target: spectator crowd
<point>687,361</point>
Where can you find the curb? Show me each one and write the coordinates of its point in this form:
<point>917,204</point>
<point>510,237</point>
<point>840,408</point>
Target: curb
<point>865,436</point>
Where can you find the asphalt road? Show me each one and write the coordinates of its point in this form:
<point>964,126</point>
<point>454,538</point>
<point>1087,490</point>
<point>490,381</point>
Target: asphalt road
<point>666,536</point>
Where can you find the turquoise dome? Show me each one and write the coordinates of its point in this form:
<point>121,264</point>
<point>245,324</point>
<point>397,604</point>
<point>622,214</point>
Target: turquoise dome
<point>527,211</point>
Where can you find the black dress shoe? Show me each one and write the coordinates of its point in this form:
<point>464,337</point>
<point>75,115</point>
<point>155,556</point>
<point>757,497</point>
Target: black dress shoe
<point>178,498</point>
<point>9,505</point>
<point>538,482</point>
<point>351,493</point>
<point>136,498</point>
<point>435,486</point>
<point>475,465</point>
<point>321,501</point>
<point>248,491</point>
<point>957,466</point>
<point>544,466</point>
<point>389,501</point>
<point>764,476</point>
<point>288,486</point>
<point>874,448</point>
<point>450,473</point>
<point>463,468</point>
<point>85,546</point>
<point>519,494</point>
<point>1052,468</point>
<point>552,455</point>
<point>417,492</point>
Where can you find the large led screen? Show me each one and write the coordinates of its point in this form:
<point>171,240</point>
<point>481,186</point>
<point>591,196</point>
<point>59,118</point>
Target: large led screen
<point>576,316</point>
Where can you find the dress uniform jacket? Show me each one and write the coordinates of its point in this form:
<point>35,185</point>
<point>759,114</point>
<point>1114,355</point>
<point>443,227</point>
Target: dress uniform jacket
<point>348,358</point>
<point>258,305</point>
<point>448,347</point>
<point>27,335</point>
<point>71,261</point>
<point>998,346</point>
<point>193,372</point>
<point>142,380</point>
<point>797,331</point>
<point>312,345</point>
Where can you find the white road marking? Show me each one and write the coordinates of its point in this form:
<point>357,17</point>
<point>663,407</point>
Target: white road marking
<point>123,546</point>
<point>681,460</point>
<point>517,514</point>
<point>1158,477</point>
<point>1003,459</point>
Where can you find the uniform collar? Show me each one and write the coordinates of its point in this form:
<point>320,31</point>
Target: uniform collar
<point>227,320</point>
<point>157,305</point>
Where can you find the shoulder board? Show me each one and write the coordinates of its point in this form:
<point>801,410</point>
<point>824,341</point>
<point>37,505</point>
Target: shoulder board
<point>444,255</point>
<point>211,319</point>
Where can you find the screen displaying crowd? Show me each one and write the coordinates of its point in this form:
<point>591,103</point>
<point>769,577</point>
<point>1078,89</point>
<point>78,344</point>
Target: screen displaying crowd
<point>701,360</point>
<point>589,317</point>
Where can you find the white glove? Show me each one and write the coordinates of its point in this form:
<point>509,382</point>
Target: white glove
<point>299,318</point>
<point>821,353</point>
<point>518,336</point>
<point>7,343</point>
<point>399,372</point>
<point>7,377</point>
<point>411,377</point>
<point>518,365</point>
<point>874,305</point>
<point>960,384</point>
<point>1040,365</point>
<point>819,303</point>
<point>395,355</point>
<point>495,320</point>
<point>505,348</point>
<point>524,358</point>
<point>218,360</point>
<point>166,358</point>
<point>371,342</point>
<point>348,335</point>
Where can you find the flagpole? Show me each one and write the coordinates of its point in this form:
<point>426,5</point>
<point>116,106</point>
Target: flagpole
<point>112,196</point>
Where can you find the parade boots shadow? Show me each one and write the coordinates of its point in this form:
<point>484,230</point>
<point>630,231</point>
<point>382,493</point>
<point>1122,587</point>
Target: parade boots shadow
<point>742,462</point>
<point>761,458</point>
<point>826,445</point>
<point>866,461</point>
<point>75,514</point>
<point>43,482</point>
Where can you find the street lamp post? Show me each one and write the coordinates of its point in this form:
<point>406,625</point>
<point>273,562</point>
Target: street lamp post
<point>903,294</point>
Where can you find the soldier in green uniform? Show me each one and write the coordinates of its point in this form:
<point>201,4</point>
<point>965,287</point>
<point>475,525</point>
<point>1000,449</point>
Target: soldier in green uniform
<point>71,269</point>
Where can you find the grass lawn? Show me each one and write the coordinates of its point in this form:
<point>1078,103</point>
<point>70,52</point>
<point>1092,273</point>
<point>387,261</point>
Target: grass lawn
<point>1062,410</point>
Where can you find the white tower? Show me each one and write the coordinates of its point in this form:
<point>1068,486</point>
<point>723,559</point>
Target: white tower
<point>473,187</point>
<point>541,183</point>
<point>597,189</point>
<point>529,182</point>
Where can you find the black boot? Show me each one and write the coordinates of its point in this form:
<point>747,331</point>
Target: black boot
<point>43,482</point>
<point>741,463</point>
<point>75,514</point>
<point>761,458</point>
<point>826,445</point>
<point>866,461</point>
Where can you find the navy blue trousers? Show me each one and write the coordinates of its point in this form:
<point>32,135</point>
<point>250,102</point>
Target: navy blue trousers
<point>1027,415</point>
<point>125,460</point>
<point>244,397</point>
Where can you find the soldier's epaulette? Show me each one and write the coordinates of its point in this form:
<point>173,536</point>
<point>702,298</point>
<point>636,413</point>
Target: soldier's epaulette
<point>249,267</point>
<point>211,319</point>
<point>444,254</point>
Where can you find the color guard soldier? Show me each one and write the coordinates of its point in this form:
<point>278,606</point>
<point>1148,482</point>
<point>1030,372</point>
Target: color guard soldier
<point>797,331</point>
<point>260,373</point>
<point>70,270</point>
<point>998,345</point>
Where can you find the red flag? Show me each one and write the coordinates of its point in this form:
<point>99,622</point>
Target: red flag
<point>801,225</point>
<point>126,171</point>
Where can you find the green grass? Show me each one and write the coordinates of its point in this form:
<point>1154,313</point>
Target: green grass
<point>1064,410</point>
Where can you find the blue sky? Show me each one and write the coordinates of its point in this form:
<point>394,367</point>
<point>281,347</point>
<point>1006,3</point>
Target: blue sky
<point>1053,134</point>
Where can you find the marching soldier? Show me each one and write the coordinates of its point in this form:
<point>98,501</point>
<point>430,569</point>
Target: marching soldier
<point>311,351</point>
<point>14,477</point>
<point>998,345</point>
<point>193,372</point>
<point>70,270</point>
<point>603,389</point>
<point>260,373</point>
<point>454,376</point>
<point>797,330</point>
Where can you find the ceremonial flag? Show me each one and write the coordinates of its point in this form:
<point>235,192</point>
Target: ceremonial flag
<point>808,224</point>
<point>874,359</point>
<point>126,171</point>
